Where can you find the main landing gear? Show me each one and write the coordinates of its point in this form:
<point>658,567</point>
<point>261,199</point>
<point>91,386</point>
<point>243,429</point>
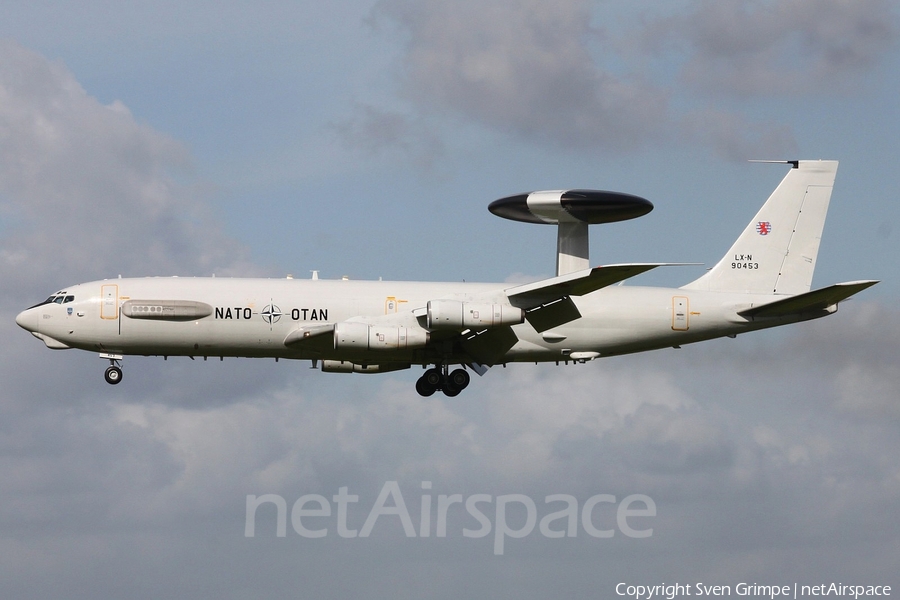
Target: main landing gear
<point>437,378</point>
<point>113,374</point>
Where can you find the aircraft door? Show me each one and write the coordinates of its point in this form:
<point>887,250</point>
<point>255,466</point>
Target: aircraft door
<point>680,315</point>
<point>109,302</point>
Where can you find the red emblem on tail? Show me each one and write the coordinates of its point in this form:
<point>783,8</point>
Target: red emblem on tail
<point>763,228</point>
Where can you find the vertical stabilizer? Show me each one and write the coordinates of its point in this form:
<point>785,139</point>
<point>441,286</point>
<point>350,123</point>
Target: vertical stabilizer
<point>776,253</point>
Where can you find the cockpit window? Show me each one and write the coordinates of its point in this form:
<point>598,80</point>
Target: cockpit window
<point>57,298</point>
<point>47,301</point>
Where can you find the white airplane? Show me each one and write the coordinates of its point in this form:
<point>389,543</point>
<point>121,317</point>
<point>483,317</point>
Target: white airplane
<point>378,326</point>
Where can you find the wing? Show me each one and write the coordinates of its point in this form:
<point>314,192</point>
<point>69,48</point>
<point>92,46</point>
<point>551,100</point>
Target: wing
<point>548,303</point>
<point>575,284</point>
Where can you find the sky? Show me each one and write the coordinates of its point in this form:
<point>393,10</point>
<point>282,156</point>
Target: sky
<point>366,139</point>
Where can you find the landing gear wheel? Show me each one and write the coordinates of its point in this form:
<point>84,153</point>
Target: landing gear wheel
<point>459,379</point>
<point>437,378</point>
<point>433,377</point>
<point>113,375</point>
<point>424,388</point>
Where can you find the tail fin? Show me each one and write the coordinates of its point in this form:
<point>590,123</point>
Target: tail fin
<point>776,253</point>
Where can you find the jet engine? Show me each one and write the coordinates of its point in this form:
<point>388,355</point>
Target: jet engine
<point>362,336</point>
<point>453,314</point>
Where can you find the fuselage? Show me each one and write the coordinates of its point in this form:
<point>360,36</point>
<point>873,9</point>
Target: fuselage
<point>254,317</point>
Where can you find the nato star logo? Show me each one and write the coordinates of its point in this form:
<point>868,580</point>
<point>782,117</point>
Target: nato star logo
<point>271,314</point>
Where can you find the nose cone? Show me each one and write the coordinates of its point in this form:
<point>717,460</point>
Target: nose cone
<point>27,319</point>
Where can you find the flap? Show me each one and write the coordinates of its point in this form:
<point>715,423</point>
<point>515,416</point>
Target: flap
<point>553,314</point>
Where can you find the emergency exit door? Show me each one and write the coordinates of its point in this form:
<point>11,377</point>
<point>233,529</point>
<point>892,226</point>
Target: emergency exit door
<point>109,302</point>
<point>392,305</point>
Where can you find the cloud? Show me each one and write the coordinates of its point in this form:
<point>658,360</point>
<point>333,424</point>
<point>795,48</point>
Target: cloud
<point>551,75</point>
<point>737,138</point>
<point>866,385</point>
<point>374,131</point>
<point>865,388</point>
<point>89,191</point>
<point>764,48</point>
<point>525,69</point>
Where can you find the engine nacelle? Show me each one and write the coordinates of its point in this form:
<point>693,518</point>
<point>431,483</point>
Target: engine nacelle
<point>453,314</point>
<point>343,366</point>
<point>362,336</point>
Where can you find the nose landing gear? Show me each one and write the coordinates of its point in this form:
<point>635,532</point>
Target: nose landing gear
<point>438,378</point>
<point>113,374</point>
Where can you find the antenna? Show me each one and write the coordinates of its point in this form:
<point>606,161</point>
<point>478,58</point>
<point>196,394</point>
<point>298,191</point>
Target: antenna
<point>794,163</point>
<point>571,211</point>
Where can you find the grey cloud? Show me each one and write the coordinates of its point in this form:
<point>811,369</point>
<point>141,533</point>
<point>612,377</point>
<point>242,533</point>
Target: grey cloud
<point>89,191</point>
<point>866,385</point>
<point>675,442</point>
<point>735,137</point>
<point>522,68</point>
<point>538,71</point>
<point>375,132</point>
<point>864,388</point>
<point>759,47</point>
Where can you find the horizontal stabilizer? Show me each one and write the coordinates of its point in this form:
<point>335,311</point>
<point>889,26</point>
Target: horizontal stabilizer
<point>578,283</point>
<point>815,300</point>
